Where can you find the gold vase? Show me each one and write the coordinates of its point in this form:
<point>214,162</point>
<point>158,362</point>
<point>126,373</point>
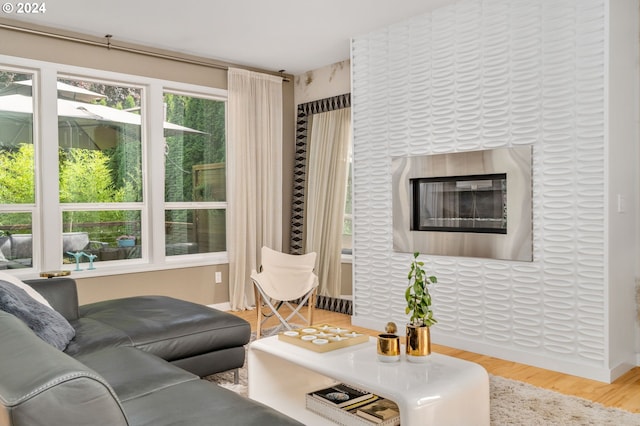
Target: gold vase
<point>418,343</point>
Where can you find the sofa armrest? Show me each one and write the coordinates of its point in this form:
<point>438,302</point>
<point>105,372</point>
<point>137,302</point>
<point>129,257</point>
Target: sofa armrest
<point>43,386</point>
<point>61,293</point>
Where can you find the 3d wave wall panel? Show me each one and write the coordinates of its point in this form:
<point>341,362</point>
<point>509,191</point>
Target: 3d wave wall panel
<point>481,75</point>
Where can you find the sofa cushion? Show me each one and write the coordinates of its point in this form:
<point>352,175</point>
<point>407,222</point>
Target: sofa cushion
<point>144,372</point>
<point>92,335</point>
<point>46,323</point>
<point>170,328</point>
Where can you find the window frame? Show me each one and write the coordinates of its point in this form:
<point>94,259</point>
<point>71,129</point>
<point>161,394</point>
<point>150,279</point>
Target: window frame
<point>131,206</point>
<point>47,227</point>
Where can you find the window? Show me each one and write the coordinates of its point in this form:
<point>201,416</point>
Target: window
<point>100,170</point>
<point>111,172</point>
<point>17,169</point>
<point>195,175</point>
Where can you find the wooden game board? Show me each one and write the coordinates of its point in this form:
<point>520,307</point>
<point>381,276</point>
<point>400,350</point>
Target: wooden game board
<point>322,337</point>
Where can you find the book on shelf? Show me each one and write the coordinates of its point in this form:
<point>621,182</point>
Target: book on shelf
<point>342,395</point>
<point>341,416</point>
<point>380,411</point>
<point>347,414</point>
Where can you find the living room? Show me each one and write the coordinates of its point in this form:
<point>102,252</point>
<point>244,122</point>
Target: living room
<point>571,307</point>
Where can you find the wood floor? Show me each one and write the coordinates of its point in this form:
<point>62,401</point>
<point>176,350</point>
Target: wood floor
<point>624,393</point>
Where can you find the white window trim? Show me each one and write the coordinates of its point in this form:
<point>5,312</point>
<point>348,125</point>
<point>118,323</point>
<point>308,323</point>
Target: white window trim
<point>48,227</point>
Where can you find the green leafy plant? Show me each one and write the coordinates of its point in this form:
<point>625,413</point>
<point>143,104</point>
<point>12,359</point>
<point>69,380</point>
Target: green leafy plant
<point>417,294</point>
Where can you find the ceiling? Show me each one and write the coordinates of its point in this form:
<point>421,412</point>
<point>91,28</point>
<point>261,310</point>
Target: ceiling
<point>291,35</point>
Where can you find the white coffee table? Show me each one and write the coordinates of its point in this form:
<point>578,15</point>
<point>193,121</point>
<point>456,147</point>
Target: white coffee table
<point>443,391</point>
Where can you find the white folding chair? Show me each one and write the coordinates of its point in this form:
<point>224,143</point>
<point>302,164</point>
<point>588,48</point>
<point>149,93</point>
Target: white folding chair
<point>282,279</point>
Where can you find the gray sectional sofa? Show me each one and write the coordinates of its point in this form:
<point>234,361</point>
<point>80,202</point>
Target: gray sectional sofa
<point>134,361</point>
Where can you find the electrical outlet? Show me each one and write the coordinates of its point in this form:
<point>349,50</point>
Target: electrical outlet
<point>218,277</point>
<point>622,204</point>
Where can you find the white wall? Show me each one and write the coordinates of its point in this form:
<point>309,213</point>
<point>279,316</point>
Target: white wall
<point>325,82</point>
<point>482,74</point>
<point>623,138</point>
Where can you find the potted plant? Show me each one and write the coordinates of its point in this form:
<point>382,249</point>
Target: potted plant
<point>126,240</point>
<point>418,344</point>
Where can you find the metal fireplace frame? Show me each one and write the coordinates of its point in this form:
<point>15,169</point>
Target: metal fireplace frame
<point>515,244</point>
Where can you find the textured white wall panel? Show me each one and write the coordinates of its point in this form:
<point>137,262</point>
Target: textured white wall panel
<point>481,75</point>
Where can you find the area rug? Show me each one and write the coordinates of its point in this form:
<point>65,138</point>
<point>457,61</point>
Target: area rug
<point>515,403</point>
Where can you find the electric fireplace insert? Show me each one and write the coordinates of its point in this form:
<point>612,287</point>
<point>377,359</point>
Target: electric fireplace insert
<point>476,203</point>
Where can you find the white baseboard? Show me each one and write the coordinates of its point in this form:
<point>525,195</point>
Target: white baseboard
<point>600,374</point>
<point>225,306</point>
<point>621,369</point>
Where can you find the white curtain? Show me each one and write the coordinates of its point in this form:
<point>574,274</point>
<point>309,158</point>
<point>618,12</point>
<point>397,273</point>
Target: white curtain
<point>329,146</point>
<point>254,131</point>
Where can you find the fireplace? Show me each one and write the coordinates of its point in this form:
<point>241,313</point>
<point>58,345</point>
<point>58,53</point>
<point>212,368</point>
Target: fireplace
<point>475,204</point>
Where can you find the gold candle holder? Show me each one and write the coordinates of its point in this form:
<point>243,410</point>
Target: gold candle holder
<point>389,345</point>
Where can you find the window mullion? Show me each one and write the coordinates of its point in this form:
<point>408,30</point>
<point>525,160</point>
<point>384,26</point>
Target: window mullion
<point>48,224</point>
<point>154,136</point>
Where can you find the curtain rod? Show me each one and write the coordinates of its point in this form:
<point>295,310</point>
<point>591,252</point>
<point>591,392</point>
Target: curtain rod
<point>111,46</point>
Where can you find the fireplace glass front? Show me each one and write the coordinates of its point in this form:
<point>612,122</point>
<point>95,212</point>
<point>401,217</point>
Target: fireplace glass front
<point>476,203</point>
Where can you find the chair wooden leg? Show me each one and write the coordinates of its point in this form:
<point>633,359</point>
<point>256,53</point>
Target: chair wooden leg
<point>312,304</point>
<point>259,314</point>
